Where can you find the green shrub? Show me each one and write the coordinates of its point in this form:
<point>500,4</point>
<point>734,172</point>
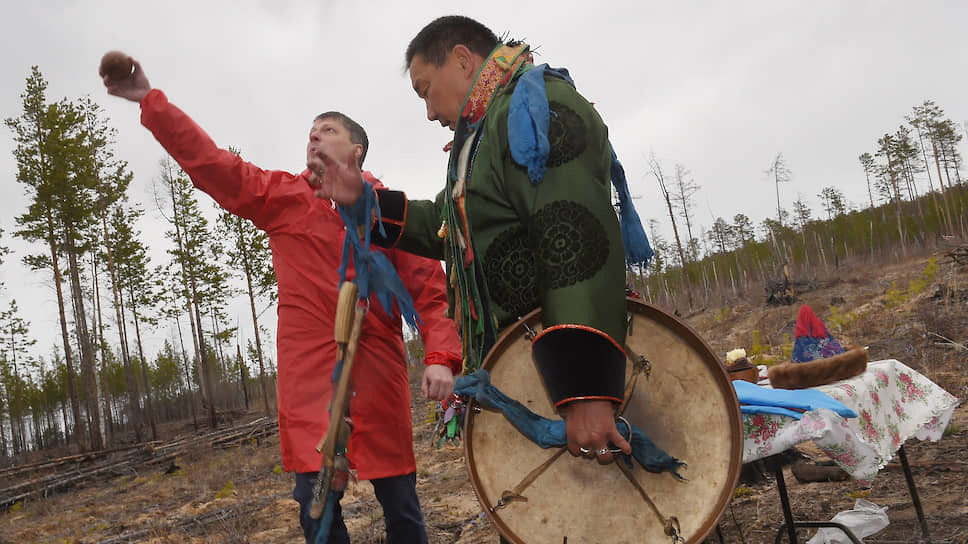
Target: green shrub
<point>742,491</point>
<point>226,490</point>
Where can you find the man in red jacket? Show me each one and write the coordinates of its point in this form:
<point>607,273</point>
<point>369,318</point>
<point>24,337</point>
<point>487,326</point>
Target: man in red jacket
<point>306,237</point>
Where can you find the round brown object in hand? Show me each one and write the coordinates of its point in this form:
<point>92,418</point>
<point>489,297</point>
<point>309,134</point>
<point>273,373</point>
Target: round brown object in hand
<point>116,65</point>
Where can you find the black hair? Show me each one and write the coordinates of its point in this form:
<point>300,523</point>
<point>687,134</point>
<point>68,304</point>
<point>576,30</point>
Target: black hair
<point>357,134</point>
<point>436,40</point>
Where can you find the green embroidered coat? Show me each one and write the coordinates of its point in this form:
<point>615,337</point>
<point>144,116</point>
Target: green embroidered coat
<point>555,244</point>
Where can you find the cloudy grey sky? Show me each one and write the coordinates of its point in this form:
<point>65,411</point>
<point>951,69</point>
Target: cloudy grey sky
<point>720,87</point>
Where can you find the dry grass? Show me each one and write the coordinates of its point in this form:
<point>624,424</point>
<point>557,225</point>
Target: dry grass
<point>184,507</point>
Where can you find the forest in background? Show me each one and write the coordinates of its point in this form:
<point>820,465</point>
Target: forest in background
<point>98,388</point>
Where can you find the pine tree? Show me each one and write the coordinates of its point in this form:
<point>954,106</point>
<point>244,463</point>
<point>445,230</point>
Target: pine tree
<point>889,175</point>
<point>248,250</point>
<point>46,135</point>
<point>190,233</point>
<point>16,341</point>
<point>929,120</point>
<point>4,251</point>
<point>110,178</point>
<point>135,277</point>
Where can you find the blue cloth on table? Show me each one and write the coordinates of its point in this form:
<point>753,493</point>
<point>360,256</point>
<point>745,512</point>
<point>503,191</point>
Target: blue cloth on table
<point>549,433</point>
<point>774,410</point>
<point>797,399</point>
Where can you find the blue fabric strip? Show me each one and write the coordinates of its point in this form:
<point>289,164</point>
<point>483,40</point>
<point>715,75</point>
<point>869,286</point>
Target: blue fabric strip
<point>528,123</point>
<point>551,433</point>
<point>374,272</point>
<point>802,399</point>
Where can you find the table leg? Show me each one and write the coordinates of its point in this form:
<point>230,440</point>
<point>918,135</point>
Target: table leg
<point>914,493</point>
<point>791,526</point>
<point>784,500</point>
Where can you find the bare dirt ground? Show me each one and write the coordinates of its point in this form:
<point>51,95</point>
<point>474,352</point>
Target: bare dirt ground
<point>239,495</point>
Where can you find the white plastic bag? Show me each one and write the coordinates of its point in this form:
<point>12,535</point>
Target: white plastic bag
<point>864,520</point>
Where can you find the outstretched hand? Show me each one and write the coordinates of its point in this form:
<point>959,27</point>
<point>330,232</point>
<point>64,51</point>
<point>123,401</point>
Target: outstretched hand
<point>590,426</point>
<point>334,179</point>
<point>134,87</point>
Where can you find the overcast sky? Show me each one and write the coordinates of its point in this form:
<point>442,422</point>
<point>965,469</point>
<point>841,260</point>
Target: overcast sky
<point>720,87</point>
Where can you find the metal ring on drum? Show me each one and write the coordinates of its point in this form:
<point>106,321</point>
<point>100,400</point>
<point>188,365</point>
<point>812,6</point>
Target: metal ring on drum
<point>683,400</point>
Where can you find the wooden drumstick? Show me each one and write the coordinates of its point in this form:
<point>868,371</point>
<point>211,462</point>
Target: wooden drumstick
<point>349,325</point>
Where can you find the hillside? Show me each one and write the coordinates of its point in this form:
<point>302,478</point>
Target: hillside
<point>238,494</point>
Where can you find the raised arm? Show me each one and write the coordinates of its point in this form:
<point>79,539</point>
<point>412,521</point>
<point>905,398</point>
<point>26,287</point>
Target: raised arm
<point>240,187</point>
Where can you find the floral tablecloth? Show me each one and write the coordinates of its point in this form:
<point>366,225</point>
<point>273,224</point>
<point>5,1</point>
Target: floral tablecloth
<point>893,403</point>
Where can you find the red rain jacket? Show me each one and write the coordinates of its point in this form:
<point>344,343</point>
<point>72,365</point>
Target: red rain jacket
<point>306,237</point>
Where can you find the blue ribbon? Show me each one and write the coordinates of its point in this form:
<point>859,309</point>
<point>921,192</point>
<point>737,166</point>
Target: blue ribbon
<point>548,433</point>
<point>529,119</point>
<point>374,272</point>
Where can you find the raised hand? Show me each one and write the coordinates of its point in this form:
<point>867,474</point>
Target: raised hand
<point>340,180</point>
<point>134,87</point>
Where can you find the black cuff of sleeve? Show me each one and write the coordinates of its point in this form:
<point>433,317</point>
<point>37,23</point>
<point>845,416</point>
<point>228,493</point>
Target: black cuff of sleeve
<point>579,363</point>
<point>393,210</point>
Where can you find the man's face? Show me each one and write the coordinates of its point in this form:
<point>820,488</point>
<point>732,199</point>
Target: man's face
<point>442,88</point>
<point>332,137</point>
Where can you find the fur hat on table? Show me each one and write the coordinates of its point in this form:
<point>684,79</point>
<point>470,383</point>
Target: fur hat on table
<point>818,358</point>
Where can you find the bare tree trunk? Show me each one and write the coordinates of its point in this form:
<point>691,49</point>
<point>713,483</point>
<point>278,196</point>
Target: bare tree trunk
<point>255,327</point>
<point>79,428</point>
<point>242,374</point>
<point>134,395</point>
<point>84,339</point>
<point>188,379</point>
<point>943,217</point>
<point>105,392</point>
<point>944,192</point>
<point>897,203</point>
<point>204,366</point>
<point>144,371</point>
<point>122,333</point>
<point>657,171</point>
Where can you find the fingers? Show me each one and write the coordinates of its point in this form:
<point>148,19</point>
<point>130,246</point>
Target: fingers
<point>591,431</point>
<point>437,382</point>
<point>620,442</point>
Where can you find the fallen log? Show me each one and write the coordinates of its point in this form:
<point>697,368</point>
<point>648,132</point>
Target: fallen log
<point>131,460</point>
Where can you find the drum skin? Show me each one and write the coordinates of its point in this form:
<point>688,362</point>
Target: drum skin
<point>687,405</point>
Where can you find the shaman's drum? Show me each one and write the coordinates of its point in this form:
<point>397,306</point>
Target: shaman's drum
<point>686,404</point>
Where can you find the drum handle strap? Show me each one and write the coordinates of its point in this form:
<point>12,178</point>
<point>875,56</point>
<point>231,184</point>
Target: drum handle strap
<point>640,366</point>
<point>515,494</point>
<point>671,523</point>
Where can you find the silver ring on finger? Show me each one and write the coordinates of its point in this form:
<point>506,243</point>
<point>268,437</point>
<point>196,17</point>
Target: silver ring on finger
<point>601,452</point>
<point>584,451</point>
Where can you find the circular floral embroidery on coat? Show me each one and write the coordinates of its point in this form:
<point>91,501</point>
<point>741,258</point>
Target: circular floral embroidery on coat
<point>570,244</point>
<point>510,272</point>
<point>566,134</point>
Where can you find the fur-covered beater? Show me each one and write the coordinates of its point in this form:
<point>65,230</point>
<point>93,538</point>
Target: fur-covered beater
<point>819,371</point>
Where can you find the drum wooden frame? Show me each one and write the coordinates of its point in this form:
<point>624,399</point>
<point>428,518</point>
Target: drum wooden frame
<point>687,405</point>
